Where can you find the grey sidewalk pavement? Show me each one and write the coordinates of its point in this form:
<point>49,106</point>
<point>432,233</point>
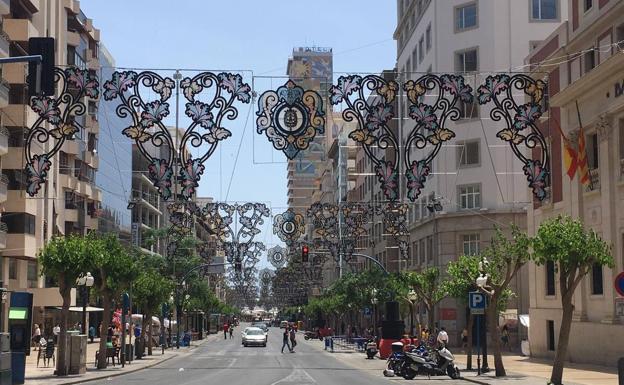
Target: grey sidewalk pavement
<point>45,376</point>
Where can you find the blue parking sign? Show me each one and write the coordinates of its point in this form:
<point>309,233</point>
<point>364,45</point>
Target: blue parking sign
<point>476,302</point>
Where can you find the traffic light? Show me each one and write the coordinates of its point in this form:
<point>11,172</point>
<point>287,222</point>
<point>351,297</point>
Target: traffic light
<point>43,46</point>
<point>238,266</point>
<point>304,253</point>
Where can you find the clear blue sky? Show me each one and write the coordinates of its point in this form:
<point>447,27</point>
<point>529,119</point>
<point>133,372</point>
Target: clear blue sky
<point>255,35</point>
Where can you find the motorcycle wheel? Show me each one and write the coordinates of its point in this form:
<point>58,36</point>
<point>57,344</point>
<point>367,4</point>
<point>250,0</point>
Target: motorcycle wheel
<point>409,374</point>
<point>453,372</point>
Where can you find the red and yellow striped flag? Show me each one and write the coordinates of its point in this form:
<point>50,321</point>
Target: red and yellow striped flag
<point>570,158</point>
<point>582,160</point>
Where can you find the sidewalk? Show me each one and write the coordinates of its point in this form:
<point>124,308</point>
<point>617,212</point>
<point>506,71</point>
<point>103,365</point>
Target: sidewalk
<point>530,371</point>
<point>45,376</point>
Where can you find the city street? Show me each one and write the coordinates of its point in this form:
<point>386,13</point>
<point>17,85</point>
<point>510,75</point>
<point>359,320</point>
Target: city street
<point>228,362</point>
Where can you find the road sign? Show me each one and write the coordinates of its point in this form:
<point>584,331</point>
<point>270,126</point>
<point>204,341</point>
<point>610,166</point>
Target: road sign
<point>619,284</point>
<point>367,311</point>
<point>476,302</point>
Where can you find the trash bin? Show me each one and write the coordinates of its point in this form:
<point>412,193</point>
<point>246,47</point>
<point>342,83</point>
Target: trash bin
<point>78,354</point>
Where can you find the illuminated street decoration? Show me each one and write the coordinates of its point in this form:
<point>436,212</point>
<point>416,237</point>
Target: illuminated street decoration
<point>372,113</point>
<point>59,113</point>
<point>290,117</point>
<point>277,256</point>
<point>288,226</point>
<point>148,128</point>
<point>431,120</point>
<point>520,123</point>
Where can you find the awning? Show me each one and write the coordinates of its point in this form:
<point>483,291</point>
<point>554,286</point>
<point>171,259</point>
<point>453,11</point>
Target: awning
<point>79,308</point>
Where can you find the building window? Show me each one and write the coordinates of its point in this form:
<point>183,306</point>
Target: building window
<point>468,110</point>
<point>415,59</point>
<point>550,335</point>
<point>32,274</point>
<point>467,61</point>
<point>70,200</point>
<point>422,257</point>
<point>588,4</point>
<point>429,37</point>
<point>471,244</point>
<point>12,268</point>
<point>17,179</point>
<point>619,36</point>
<point>466,17</point>
<point>64,163</point>
<point>589,58</point>
<point>470,196</point>
<point>597,280</point>
<point>592,151</point>
<point>430,250</point>
<point>421,49</point>
<point>544,9</point>
<point>408,66</point>
<point>468,154</point>
<point>550,278</point>
<point>19,223</point>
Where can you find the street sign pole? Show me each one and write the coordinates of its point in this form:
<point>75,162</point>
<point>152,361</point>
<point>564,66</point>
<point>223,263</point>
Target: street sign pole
<point>478,345</point>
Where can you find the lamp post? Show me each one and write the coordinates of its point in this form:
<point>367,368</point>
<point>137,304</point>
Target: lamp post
<point>412,297</point>
<point>374,302</point>
<point>85,281</point>
<point>481,283</point>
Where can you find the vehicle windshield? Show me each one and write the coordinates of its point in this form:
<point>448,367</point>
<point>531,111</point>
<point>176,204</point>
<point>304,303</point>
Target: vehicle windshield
<point>255,332</point>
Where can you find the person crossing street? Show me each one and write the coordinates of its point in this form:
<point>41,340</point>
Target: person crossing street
<point>285,341</point>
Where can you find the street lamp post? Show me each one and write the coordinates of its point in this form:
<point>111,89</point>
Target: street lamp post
<point>412,297</point>
<point>374,302</point>
<point>481,283</point>
<point>85,281</point>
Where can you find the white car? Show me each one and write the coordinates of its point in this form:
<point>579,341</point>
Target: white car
<point>254,336</point>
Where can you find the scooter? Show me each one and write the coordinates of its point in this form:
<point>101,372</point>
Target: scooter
<point>371,349</point>
<point>439,362</point>
<point>396,361</point>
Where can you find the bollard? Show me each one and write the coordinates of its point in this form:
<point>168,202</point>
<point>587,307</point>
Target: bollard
<point>621,371</point>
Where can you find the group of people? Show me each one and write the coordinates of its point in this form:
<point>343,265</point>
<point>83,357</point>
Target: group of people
<point>289,335</point>
<point>228,328</point>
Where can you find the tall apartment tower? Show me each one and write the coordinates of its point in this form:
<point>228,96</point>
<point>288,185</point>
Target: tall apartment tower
<point>311,68</point>
<point>476,177</point>
<point>591,43</point>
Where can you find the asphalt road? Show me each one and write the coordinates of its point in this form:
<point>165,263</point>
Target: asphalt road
<point>227,362</point>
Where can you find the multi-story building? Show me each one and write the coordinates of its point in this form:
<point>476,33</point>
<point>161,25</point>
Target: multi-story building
<point>583,60</point>
<point>5,42</point>
<point>476,177</point>
<point>114,151</point>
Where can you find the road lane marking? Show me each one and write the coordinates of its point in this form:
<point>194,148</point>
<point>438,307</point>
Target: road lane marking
<point>298,376</point>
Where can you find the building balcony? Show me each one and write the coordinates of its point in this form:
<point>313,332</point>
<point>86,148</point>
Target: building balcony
<point>73,38</point>
<point>4,93</point>
<point>19,202</point>
<point>15,113</point>
<point>19,29</point>
<point>5,42</point>
<point>4,141</point>
<point>3,235</point>
<point>92,223</point>
<point>72,5</point>
<point>4,183</point>
<point>91,158</point>
<point>594,176</point>
<point>5,7</point>
<point>71,147</point>
<point>20,245</point>
<point>14,73</point>
<point>70,215</point>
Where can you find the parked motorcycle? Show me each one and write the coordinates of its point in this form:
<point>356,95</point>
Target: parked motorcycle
<point>435,363</point>
<point>371,348</point>
<point>396,361</point>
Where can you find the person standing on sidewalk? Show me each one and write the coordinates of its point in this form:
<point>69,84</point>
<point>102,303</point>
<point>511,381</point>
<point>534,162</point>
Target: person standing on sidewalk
<point>225,330</point>
<point>231,328</point>
<point>443,338</point>
<point>285,341</point>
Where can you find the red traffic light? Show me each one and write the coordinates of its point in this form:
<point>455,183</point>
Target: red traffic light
<point>304,253</point>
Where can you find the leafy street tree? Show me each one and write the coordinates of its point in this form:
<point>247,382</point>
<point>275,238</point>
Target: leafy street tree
<point>150,290</point>
<point>575,252</point>
<point>64,259</point>
<point>503,258</point>
<point>113,270</point>
<point>461,281</point>
<point>429,289</point>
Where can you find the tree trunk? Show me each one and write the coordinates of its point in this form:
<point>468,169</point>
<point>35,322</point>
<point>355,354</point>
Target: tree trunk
<point>148,321</point>
<point>61,363</point>
<point>430,318</point>
<point>492,314</point>
<point>562,345</point>
<point>469,346</point>
<point>106,316</point>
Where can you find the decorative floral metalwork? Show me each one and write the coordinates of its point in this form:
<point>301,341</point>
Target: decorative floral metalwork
<point>147,125</point>
<point>339,238</point>
<point>520,122</point>
<point>59,112</point>
<point>372,114</point>
<point>289,226</point>
<point>290,117</point>
<point>277,256</point>
<point>395,223</point>
<point>431,122</point>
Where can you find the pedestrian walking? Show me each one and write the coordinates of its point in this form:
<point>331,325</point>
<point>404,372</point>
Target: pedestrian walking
<point>225,330</point>
<point>91,333</point>
<point>56,331</point>
<point>231,329</point>
<point>37,336</point>
<point>464,338</point>
<point>293,341</point>
<point>285,341</point>
<point>505,337</point>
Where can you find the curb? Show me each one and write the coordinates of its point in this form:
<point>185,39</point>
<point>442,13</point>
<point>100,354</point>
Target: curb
<point>475,381</point>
